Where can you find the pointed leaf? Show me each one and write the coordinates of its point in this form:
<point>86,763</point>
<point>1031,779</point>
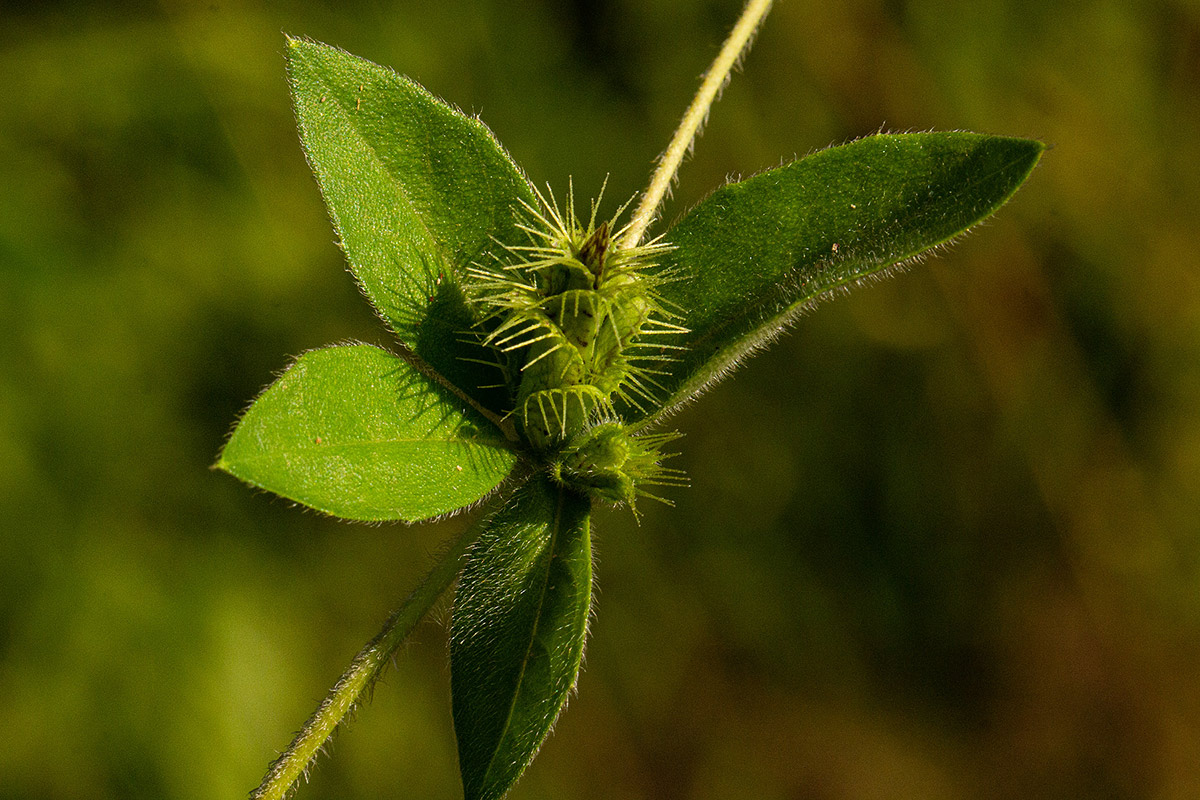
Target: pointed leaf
<point>358,433</point>
<point>754,254</point>
<point>417,191</point>
<point>517,634</point>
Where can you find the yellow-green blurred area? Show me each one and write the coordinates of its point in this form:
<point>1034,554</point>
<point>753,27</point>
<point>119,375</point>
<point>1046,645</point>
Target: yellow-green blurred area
<point>942,539</point>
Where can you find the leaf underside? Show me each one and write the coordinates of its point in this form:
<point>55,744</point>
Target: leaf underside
<point>517,633</point>
<point>356,432</point>
<point>417,192</point>
<point>756,253</point>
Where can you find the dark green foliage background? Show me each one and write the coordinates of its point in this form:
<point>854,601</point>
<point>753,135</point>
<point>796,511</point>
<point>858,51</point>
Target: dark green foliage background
<point>943,540</point>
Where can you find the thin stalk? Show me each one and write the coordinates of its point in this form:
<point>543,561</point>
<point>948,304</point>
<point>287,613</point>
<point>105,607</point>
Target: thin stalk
<point>506,426</point>
<point>362,673</point>
<point>693,120</point>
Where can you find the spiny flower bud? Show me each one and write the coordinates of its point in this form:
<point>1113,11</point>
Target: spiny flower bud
<point>572,312</point>
<point>615,465</point>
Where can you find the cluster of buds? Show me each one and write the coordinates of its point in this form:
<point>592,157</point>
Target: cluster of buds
<point>572,317</point>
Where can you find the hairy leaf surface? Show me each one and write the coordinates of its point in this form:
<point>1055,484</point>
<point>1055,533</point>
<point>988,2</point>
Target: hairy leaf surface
<point>756,253</point>
<point>517,634</point>
<point>417,191</point>
<point>358,433</point>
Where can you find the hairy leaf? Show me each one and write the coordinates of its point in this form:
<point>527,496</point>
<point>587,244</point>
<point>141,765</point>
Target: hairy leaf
<point>517,634</point>
<point>756,253</point>
<point>358,433</point>
<point>417,192</point>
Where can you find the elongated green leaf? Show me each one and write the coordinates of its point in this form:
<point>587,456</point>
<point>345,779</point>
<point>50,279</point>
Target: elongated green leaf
<point>356,432</point>
<point>517,633</point>
<point>756,253</point>
<point>417,191</point>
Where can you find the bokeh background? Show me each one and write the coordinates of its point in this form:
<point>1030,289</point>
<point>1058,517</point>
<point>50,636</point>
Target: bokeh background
<point>943,539</point>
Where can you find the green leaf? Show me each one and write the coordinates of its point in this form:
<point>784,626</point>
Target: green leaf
<point>517,633</point>
<point>417,191</point>
<point>755,254</point>
<point>358,433</point>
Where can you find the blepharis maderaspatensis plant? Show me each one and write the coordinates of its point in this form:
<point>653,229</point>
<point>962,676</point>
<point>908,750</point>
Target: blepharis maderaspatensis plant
<point>538,350</point>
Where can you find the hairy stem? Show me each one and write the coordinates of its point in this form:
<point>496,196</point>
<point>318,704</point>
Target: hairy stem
<point>689,127</point>
<point>362,673</point>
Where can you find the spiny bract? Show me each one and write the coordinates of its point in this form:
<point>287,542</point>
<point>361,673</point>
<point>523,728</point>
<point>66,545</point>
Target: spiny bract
<point>571,317</point>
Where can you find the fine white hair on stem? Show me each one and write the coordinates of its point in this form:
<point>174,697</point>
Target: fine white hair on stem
<point>693,120</point>
<point>287,770</point>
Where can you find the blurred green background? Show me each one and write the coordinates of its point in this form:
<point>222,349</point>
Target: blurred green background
<point>943,539</point>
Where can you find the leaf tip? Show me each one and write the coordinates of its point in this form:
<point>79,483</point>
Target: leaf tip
<point>299,48</point>
<point>1029,151</point>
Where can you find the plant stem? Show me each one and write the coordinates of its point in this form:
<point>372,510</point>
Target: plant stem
<point>362,673</point>
<point>506,426</point>
<point>689,127</point>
